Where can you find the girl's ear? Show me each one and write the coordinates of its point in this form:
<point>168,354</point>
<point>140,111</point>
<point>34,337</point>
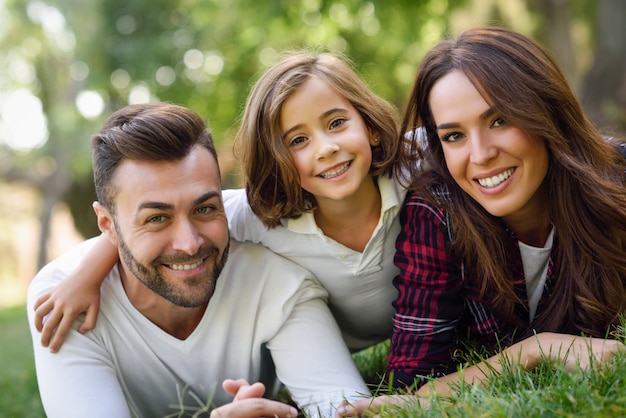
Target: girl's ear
<point>374,139</point>
<point>105,222</point>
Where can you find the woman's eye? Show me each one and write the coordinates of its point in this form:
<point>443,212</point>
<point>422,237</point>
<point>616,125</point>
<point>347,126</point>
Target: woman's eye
<point>451,137</point>
<point>497,122</point>
<point>335,123</point>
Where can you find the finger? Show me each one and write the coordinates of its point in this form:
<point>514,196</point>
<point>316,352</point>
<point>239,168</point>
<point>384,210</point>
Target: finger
<point>49,325</point>
<point>42,308</point>
<point>232,386</point>
<point>42,299</point>
<point>252,408</point>
<point>61,332</point>
<point>256,390</point>
<point>89,320</point>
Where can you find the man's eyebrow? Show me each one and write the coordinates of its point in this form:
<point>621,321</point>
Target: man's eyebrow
<point>206,196</point>
<point>166,206</point>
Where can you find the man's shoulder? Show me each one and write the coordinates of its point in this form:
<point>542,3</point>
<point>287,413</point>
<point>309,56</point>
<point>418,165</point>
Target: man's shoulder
<point>253,254</point>
<point>248,258</point>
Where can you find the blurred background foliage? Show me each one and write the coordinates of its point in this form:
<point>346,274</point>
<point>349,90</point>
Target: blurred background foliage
<point>65,65</point>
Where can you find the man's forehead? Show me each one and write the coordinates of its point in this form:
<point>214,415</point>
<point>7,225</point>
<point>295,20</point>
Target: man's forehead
<point>191,177</point>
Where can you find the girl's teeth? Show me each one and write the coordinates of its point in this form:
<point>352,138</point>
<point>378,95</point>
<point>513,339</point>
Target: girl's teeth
<point>186,266</point>
<point>496,180</point>
<point>333,173</point>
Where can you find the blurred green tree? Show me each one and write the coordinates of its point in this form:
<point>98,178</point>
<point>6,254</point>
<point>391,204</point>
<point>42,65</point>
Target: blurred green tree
<point>83,60</point>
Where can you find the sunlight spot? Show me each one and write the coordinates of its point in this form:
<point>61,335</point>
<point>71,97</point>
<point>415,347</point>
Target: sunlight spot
<point>23,125</point>
<point>165,76</point>
<point>213,64</point>
<point>193,59</point>
<point>139,94</point>
<point>79,71</point>
<point>90,104</point>
<point>120,79</point>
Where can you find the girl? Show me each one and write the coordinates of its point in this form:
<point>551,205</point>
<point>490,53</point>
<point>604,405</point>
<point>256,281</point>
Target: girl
<point>323,164</point>
<point>516,235</point>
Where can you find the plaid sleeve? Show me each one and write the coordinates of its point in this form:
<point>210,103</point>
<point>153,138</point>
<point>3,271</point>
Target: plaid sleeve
<point>430,299</point>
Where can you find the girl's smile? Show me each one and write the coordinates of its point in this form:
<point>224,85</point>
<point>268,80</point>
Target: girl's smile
<point>329,142</point>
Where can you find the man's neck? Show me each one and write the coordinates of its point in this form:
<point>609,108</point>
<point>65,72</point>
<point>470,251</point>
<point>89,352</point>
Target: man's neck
<point>177,321</point>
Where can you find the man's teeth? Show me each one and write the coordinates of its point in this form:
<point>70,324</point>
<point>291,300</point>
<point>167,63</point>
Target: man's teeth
<point>332,173</point>
<point>495,180</point>
<point>186,266</point>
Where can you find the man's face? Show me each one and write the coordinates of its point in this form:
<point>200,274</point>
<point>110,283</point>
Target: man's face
<point>170,226</point>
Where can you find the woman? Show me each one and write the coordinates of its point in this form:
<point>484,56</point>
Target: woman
<point>515,237</point>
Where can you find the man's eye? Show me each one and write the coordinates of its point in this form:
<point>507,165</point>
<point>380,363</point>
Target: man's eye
<point>156,219</point>
<point>204,210</point>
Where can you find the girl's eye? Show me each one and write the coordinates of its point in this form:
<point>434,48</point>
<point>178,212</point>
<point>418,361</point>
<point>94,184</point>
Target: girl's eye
<point>451,137</point>
<point>297,141</point>
<point>335,123</point>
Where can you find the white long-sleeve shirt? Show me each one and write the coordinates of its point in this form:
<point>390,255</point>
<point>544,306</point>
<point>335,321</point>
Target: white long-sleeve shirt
<point>359,284</point>
<point>127,366</point>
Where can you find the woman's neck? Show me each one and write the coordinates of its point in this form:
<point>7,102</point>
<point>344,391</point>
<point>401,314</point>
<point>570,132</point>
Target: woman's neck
<point>533,223</point>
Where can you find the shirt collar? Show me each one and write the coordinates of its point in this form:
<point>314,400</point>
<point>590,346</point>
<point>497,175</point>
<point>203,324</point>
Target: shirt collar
<point>391,194</point>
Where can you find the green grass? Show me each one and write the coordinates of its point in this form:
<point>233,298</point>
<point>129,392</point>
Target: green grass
<point>548,391</point>
<point>19,396</point>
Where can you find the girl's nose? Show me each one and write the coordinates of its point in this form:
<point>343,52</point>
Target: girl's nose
<point>327,147</point>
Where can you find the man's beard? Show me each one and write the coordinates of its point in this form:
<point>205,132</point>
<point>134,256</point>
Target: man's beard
<point>204,284</point>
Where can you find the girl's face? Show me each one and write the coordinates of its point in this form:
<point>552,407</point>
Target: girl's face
<point>497,164</point>
<point>328,141</point>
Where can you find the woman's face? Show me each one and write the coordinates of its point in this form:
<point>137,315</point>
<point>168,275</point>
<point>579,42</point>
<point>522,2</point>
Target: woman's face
<point>498,165</point>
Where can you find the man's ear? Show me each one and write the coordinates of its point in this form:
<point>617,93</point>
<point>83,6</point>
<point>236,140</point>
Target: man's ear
<point>105,222</point>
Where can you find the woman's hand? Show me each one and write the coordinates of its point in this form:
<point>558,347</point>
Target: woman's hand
<point>370,407</point>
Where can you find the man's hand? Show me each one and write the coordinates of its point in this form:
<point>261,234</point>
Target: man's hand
<point>248,402</point>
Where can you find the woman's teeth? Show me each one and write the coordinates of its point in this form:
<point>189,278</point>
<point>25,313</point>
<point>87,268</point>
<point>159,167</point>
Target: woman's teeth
<point>496,180</point>
<point>333,173</point>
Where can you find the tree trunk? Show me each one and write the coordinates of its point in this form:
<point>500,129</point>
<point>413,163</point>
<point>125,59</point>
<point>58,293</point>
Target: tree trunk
<point>604,90</point>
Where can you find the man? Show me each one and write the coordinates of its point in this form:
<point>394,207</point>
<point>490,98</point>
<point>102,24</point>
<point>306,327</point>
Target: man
<point>185,309</point>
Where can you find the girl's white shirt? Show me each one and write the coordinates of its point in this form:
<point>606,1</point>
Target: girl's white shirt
<point>360,284</point>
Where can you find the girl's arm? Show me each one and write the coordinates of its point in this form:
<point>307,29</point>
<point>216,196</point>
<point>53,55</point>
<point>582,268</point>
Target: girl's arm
<point>568,350</point>
<point>55,312</point>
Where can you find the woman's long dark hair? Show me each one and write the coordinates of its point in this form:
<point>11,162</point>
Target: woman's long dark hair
<point>585,180</point>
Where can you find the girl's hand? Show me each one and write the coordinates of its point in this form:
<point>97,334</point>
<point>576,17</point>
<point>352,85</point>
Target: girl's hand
<point>57,311</point>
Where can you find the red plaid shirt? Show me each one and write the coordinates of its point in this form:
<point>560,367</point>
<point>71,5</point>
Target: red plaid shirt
<point>439,309</point>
